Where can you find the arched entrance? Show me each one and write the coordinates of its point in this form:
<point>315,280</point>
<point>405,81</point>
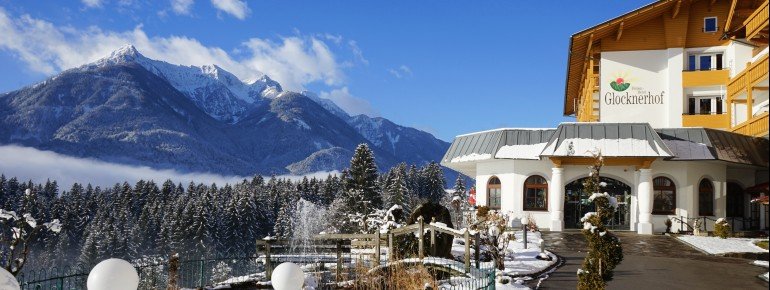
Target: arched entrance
<point>576,203</point>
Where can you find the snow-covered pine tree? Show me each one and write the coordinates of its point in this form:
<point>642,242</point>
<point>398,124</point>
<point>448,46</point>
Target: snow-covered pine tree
<point>363,176</point>
<point>433,183</point>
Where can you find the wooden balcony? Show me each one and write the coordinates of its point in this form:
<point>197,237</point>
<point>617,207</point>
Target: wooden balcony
<point>757,22</point>
<point>715,121</point>
<point>705,78</point>
<point>748,78</point>
<point>756,126</point>
<point>586,110</point>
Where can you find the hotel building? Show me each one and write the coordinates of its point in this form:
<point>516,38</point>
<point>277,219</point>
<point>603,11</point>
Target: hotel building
<point>675,97</point>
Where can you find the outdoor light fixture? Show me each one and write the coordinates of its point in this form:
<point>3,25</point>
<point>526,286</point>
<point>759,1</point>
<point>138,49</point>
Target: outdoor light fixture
<point>113,274</point>
<point>287,276</point>
<point>8,281</point>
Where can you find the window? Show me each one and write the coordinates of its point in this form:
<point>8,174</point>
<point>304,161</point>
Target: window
<point>710,24</point>
<point>706,197</point>
<point>705,61</point>
<point>493,193</point>
<point>705,105</point>
<point>535,193</point>
<point>664,196</point>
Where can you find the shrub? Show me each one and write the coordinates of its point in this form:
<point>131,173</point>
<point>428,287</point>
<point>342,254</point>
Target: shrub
<point>722,228</point>
<point>605,251</point>
<point>482,211</point>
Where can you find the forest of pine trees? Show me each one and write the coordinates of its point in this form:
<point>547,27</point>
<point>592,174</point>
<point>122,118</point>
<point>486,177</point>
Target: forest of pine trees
<point>154,220</point>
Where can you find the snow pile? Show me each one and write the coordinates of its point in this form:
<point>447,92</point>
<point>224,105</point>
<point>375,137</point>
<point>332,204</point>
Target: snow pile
<point>471,157</point>
<point>718,246</point>
<point>527,151</point>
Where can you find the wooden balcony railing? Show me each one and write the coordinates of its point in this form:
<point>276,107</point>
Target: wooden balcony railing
<point>757,21</point>
<point>586,104</point>
<point>756,126</point>
<point>748,77</point>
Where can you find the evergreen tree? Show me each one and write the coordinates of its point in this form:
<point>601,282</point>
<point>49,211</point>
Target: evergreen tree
<point>433,187</point>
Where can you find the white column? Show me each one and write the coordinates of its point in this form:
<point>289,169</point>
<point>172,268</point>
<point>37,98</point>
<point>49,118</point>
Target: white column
<point>634,206</point>
<point>644,196</point>
<point>556,197</point>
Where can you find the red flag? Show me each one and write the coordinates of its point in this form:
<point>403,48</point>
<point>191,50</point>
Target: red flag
<point>472,196</point>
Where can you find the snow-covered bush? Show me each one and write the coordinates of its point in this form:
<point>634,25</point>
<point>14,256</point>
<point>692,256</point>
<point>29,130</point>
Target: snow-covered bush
<point>493,235</point>
<point>722,228</point>
<point>605,251</point>
<point>531,223</point>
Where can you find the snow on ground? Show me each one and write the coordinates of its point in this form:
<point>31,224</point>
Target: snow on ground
<point>761,263</point>
<point>717,246</point>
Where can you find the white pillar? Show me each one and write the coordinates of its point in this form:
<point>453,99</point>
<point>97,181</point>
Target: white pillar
<point>644,196</point>
<point>634,206</point>
<point>556,196</point>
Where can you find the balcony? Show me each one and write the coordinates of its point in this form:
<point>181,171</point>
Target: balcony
<point>748,78</point>
<point>705,78</point>
<point>757,22</point>
<point>587,111</point>
<point>756,126</point>
<point>714,121</point>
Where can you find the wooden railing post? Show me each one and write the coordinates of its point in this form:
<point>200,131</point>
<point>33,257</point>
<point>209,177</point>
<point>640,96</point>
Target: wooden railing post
<point>420,236</point>
<point>390,247</point>
<point>377,249</point>
<point>467,237</point>
<point>477,237</point>
<point>268,263</point>
<point>433,239</point>
<point>339,261</point>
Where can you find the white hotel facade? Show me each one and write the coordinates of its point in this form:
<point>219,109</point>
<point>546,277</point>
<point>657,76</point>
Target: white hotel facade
<point>675,97</point>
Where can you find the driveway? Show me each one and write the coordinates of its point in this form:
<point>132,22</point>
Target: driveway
<point>653,262</point>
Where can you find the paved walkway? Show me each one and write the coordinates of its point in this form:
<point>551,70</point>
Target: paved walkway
<point>654,262</point>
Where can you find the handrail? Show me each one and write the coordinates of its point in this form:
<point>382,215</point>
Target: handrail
<point>756,20</point>
<point>755,126</point>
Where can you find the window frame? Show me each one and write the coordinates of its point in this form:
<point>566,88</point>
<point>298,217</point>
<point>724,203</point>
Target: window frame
<point>536,186</point>
<point>498,187</point>
<point>716,24</point>
<point>701,200</point>
<point>716,58</point>
<point>656,188</point>
<point>717,103</point>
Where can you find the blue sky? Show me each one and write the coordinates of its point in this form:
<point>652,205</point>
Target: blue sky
<point>447,67</point>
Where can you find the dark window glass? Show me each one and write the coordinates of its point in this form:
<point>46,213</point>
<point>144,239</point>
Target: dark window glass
<point>705,62</point>
<point>735,200</point>
<point>719,61</point>
<point>535,193</point>
<point>705,106</point>
<point>691,62</point>
<point>710,24</point>
<point>706,198</point>
<point>691,106</point>
<point>664,196</point>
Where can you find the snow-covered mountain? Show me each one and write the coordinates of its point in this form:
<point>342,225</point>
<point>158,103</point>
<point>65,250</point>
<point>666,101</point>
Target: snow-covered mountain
<point>130,109</point>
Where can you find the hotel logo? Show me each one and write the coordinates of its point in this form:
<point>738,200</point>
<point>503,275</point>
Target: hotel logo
<point>620,84</point>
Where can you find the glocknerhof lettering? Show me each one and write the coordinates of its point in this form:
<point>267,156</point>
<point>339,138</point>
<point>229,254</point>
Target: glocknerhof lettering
<point>626,98</point>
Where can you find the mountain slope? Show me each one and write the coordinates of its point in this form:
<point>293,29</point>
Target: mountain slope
<point>130,109</point>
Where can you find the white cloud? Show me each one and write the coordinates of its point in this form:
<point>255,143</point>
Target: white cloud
<point>92,3</point>
<point>351,104</point>
<point>181,7</point>
<point>237,8</point>
<point>357,52</point>
<point>31,164</point>
<point>48,48</point>
<point>401,72</point>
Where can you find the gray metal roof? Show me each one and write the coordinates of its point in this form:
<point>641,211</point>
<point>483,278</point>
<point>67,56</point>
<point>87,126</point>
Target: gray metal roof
<point>485,144</point>
<point>612,139</point>
<point>711,144</point>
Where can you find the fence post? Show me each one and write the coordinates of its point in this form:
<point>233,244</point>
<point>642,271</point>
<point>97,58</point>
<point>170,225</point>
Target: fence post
<point>339,261</point>
<point>477,237</point>
<point>200,273</point>
<point>467,237</point>
<point>268,263</point>
<point>433,239</point>
<point>173,269</point>
<point>420,236</point>
<point>390,246</point>
<point>377,249</point>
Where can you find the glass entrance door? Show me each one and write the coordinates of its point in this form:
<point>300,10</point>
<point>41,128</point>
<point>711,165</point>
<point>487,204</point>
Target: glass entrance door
<point>577,204</point>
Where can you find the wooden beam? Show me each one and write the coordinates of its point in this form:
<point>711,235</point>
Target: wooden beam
<point>676,9</point>
<point>760,88</point>
<point>620,31</point>
<point>730,15</point>
<point>711,3</point>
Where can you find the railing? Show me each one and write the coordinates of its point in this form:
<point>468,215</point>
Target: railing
<point>745,223</point>
<point>757,21</point>
<point>586,104</point>
<point>748,77</point>
<point>757,126</point>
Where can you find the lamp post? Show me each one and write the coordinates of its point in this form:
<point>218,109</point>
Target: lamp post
<point>524,222</point>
